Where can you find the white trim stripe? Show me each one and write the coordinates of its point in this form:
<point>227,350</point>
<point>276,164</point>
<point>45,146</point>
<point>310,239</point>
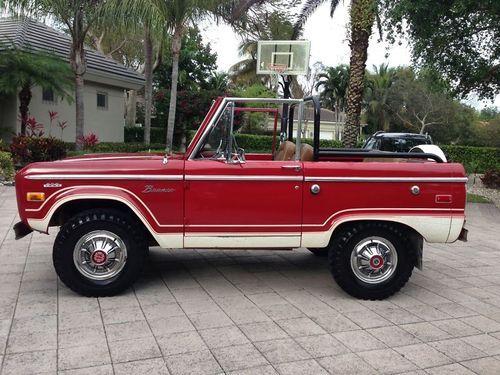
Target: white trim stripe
<point>242,178</point>
<point>105,177</point>
<point>159,177</point>
<point>386,179</point>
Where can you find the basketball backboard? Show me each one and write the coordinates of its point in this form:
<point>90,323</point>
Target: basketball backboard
<point>290,57</point>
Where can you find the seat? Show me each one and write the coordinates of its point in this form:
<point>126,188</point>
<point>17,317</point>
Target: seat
<point>286,151</point>
<point>306,152</point>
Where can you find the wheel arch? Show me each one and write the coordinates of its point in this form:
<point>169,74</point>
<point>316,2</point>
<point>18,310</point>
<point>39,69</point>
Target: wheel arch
<point>416,238</point>
<point>70,207</point>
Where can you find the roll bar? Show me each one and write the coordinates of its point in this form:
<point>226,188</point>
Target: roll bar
<point>319,152</point>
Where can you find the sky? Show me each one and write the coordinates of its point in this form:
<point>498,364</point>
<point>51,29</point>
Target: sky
<point>328,45</point>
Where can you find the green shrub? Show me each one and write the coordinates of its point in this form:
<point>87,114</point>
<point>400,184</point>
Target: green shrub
<point>474,159</point>
<point>135,134</point>
<point>6,166</point>
<point>27,150</point>
<point>106,147</point>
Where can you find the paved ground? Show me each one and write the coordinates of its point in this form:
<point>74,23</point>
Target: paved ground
<point>252,312</point>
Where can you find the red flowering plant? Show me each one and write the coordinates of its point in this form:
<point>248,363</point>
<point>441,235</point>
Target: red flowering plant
<point>33,127</point>
<point>34,147</point>
<point>52,116</point>
<point>88,141</point>
<point>62,125</point>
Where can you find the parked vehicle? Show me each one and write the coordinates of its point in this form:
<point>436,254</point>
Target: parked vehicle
<point>371,217</point>
<point>396,142</point>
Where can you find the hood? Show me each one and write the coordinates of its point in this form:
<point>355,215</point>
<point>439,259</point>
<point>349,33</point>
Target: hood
<point>102,164</point>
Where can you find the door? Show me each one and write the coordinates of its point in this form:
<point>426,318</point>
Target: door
<point>231,203</point>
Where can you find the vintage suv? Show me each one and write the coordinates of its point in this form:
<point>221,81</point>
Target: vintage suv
<point>371,215</point>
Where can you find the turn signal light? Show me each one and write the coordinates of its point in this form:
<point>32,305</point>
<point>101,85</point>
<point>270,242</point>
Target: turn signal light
<point>35,197</point>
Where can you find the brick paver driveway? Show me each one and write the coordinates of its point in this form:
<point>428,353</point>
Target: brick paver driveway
<point>252,312</point>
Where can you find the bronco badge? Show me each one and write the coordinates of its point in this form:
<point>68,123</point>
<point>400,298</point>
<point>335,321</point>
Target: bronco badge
<point>152,189</point>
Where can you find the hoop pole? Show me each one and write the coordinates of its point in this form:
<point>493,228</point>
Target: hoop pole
<point>284,115</point>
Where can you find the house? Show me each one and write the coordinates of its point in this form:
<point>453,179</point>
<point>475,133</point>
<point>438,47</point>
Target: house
<point>331,128</point>
<point>105,83</point>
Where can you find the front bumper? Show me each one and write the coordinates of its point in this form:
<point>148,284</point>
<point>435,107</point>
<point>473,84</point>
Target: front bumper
<point>21,230</point>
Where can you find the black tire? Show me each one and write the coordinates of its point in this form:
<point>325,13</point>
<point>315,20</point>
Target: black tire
<point>126,227</point>
<point>344,243</point>
<point>319,251</point>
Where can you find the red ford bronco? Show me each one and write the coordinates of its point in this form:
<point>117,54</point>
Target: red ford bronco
<point>369,211</point>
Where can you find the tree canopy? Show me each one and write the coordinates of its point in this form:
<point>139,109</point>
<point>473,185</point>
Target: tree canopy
<point>458,38</point>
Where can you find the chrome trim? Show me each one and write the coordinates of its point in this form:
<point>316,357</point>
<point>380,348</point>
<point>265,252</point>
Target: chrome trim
<point>105,177</point>
<point>83,158</point>
<point>241,178</point>
<point>386,179</point>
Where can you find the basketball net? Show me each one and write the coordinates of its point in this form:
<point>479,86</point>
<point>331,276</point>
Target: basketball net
<point>278,69</point>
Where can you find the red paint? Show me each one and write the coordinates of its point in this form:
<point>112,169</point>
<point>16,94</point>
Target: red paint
<point>260,205</point>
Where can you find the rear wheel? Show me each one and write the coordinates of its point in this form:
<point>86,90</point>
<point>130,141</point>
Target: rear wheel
<point>372,260</point>
<point>100,252</point>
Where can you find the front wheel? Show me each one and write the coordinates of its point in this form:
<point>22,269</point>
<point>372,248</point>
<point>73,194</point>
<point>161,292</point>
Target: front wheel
<point>100,252</point>
<point>372,260</point>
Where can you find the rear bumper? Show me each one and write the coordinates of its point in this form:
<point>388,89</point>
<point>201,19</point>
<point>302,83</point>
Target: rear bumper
<point>21,230</point>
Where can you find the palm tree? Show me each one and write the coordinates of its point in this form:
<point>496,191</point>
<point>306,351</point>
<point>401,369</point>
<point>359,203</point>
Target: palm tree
<point>130,19</point>
<point>378,89</point>
<point>175,16</point>
<point>77,16</point>
<point>24,69</point>
<point>334,83</point>
<point>363,14</point>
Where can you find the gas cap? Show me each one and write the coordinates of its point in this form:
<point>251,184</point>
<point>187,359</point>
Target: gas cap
<point>315,189</point>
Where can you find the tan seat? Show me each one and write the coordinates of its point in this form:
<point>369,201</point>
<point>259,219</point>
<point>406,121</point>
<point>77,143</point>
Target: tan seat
<point>306,152</point>
<point>286,151</point>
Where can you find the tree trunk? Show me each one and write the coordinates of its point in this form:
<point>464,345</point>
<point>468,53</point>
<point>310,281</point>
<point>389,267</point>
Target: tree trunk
<point>79,110</point>
<point>176,49</point>
<point>131,108</point>
<point>79,66</point>
<point>24,102</point>
<point>362,14</point>
<point>148,88</point>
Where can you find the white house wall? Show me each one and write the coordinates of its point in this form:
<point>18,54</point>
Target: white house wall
<point>107,124</point>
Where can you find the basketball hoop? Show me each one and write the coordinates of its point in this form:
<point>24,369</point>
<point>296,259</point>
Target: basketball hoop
<point>277,68</point>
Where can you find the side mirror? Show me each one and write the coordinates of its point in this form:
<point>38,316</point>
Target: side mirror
<point>238,157</point>
<point>241,154</point>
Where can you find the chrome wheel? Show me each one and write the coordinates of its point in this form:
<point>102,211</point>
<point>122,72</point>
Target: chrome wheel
<point>100,255</point>
<point>374,260</point>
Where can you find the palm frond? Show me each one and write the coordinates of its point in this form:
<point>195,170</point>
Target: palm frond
<point>308,9</point>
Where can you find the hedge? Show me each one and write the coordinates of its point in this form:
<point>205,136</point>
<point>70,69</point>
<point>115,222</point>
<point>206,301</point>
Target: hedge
<point>117,147</point>
<point>26,150</point>
<point>136,134</point>
<point>474,159</point>
<point>6,166</point>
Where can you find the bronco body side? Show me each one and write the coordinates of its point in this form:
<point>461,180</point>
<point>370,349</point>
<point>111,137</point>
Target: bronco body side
<point>252,201</point>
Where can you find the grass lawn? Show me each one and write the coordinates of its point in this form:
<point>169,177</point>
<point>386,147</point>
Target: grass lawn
<point>474,198</point>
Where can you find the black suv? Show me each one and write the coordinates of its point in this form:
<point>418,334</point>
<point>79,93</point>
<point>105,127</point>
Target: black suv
<point>396,142</point>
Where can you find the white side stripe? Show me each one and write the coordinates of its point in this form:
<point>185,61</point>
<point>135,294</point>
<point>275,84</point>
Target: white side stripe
<point>241,178</point>
<point>387,179</point>
<point>105,177</point>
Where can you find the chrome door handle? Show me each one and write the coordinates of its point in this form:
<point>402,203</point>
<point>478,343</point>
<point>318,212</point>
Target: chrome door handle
<point>296,167</point>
